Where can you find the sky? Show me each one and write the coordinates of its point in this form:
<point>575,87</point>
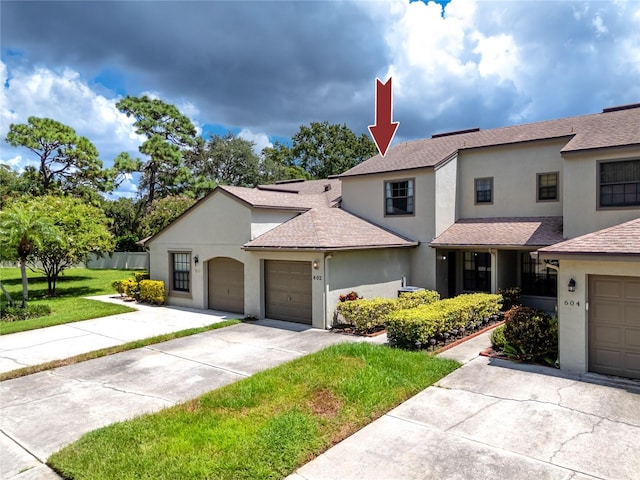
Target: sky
<point>262,69</point>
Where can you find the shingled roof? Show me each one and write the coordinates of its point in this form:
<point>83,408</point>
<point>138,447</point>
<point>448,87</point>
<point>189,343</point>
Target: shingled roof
<point>623,239</point>
<point>502,232</point>
<point>611,128</point>
<point>327,229</point>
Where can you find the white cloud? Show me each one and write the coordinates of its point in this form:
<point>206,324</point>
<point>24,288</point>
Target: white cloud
<point>260,140</point>
<point>498,56</point>
<point>599,25</point>
<point>65,97</point>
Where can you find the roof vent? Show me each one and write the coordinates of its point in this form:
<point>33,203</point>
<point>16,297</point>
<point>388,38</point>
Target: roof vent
<point>621,107</point>
<point>327,187</point>
<point>457,132</point>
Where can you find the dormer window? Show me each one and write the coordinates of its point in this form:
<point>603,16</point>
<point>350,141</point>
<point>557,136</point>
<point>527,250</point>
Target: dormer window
<point>399,197</point>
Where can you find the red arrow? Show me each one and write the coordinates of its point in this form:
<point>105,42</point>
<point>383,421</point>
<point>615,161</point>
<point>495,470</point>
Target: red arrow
<point>384,129</point>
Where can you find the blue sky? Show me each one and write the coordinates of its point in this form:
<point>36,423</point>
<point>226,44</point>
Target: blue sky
<point>262,69</point>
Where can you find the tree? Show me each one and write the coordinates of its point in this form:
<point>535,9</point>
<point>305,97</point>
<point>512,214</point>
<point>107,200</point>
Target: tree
<point>125,215</point>
<point>22,231</point>
<point>227,160</point>
<point>67,161</point>
<point>324,149</point>
<point>163,211</point>
<point>168,134</point>
<point>81,229</point>
<point>278,164</point>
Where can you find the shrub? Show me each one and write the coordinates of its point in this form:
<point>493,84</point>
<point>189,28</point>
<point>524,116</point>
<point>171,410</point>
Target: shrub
<point>15,314</point>
<point>419,325</point>
<point>531,334</point>
<point>152,291</point>
<point>140,276</point>
<point>497,337</point>
<point>117,286</point>
<point>130,288</point>
<point>510,297</point>
<point>367,315</point>
<point>415,299</point>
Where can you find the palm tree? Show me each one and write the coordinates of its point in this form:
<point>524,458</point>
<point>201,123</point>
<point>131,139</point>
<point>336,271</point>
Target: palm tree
<point>21,232</point>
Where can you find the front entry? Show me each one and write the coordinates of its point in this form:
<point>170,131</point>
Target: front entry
<point>288,290</point>
<point>226,285</point>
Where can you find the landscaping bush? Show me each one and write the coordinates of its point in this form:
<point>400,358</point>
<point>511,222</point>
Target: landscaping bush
<point>117,286</point>
<point>140,276</point>
<point>130,288</point>
<point>366,316</point>
<point>415,299</point>
<point>15,314</point>
<point>531,335</point>
<point>418,326</point>
<point>152,291</point>
<point>497,337</point>
<point>510,297</point>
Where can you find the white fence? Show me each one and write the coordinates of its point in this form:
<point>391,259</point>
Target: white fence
<point>130,260</point>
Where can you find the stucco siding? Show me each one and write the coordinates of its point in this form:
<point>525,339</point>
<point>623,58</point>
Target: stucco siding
<point>446,183</point>
<point>264,220</point>
<point>217,227</point>
<point>581,212</point>
<point>514,170</point>
<point>371,273</point>
<point>572,306</point>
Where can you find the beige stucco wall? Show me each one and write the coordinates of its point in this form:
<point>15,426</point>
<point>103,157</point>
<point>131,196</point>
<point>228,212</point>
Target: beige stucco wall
<point>364,196</point>
<point>371,273</point>
<point>263,220</point>
<point>217,227</point>
<point>581,213</point>
<point>573,318</point>
<point>446,192</point>
<point>514,169</point>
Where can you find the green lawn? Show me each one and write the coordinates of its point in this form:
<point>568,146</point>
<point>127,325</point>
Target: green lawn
<point>263,427</point>
<point>67,306</point>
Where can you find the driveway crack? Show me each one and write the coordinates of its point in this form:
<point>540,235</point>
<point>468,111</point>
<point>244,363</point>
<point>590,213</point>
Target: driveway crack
<point>574,437</point>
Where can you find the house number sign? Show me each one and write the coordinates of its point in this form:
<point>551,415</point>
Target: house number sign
<point>571,303</point>
<point>317,277</point>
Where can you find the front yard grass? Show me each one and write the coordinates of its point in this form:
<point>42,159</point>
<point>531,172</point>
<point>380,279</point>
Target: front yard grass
<point>68,305</point>
<point>263,427</point>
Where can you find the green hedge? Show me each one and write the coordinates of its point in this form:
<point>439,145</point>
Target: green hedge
<point>152,291</point>
<point>369,315</point>
<point>407,328</point>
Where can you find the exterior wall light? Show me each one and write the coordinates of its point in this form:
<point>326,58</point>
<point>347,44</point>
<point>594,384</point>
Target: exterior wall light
<point>196,259</point>
<point>316,264</point>
<point>572,285</point>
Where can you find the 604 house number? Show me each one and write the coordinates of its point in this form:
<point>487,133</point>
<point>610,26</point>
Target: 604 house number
<point>571,303</point>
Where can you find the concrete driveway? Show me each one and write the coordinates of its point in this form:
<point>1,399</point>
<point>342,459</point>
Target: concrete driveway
<point>43,412</point>
<point>492,419</point>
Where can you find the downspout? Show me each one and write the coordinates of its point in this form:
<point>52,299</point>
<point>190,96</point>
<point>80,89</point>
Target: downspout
<point>326,288</point>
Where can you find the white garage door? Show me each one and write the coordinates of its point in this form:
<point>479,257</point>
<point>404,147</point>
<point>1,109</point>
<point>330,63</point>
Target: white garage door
<point>288,290</point>
<point>614,325</point>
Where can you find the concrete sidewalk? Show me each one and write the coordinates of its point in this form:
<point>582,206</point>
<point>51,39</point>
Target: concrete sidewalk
<point>41,413</point>
<point>494,419</point>
<point>43,345</point>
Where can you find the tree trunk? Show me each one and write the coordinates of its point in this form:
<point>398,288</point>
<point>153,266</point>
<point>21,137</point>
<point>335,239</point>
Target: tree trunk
<point>25,285</point>
<point>6,294</point>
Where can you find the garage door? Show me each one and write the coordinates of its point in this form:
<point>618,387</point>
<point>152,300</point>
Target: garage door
<point>614,325</point>
<point>288,290</point>
<point>226,285</point>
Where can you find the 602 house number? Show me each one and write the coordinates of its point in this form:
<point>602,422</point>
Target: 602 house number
<point>317,277</point>
<point>571,303</point>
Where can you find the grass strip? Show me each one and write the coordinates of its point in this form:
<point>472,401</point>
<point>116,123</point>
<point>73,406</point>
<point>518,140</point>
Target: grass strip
<point>263,427</point>
<point>103,352</point>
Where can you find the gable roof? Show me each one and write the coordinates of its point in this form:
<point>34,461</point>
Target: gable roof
<point>611,128</point>
<point>327,229</point>
<point>502,232</point>
<point>623,239</point>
